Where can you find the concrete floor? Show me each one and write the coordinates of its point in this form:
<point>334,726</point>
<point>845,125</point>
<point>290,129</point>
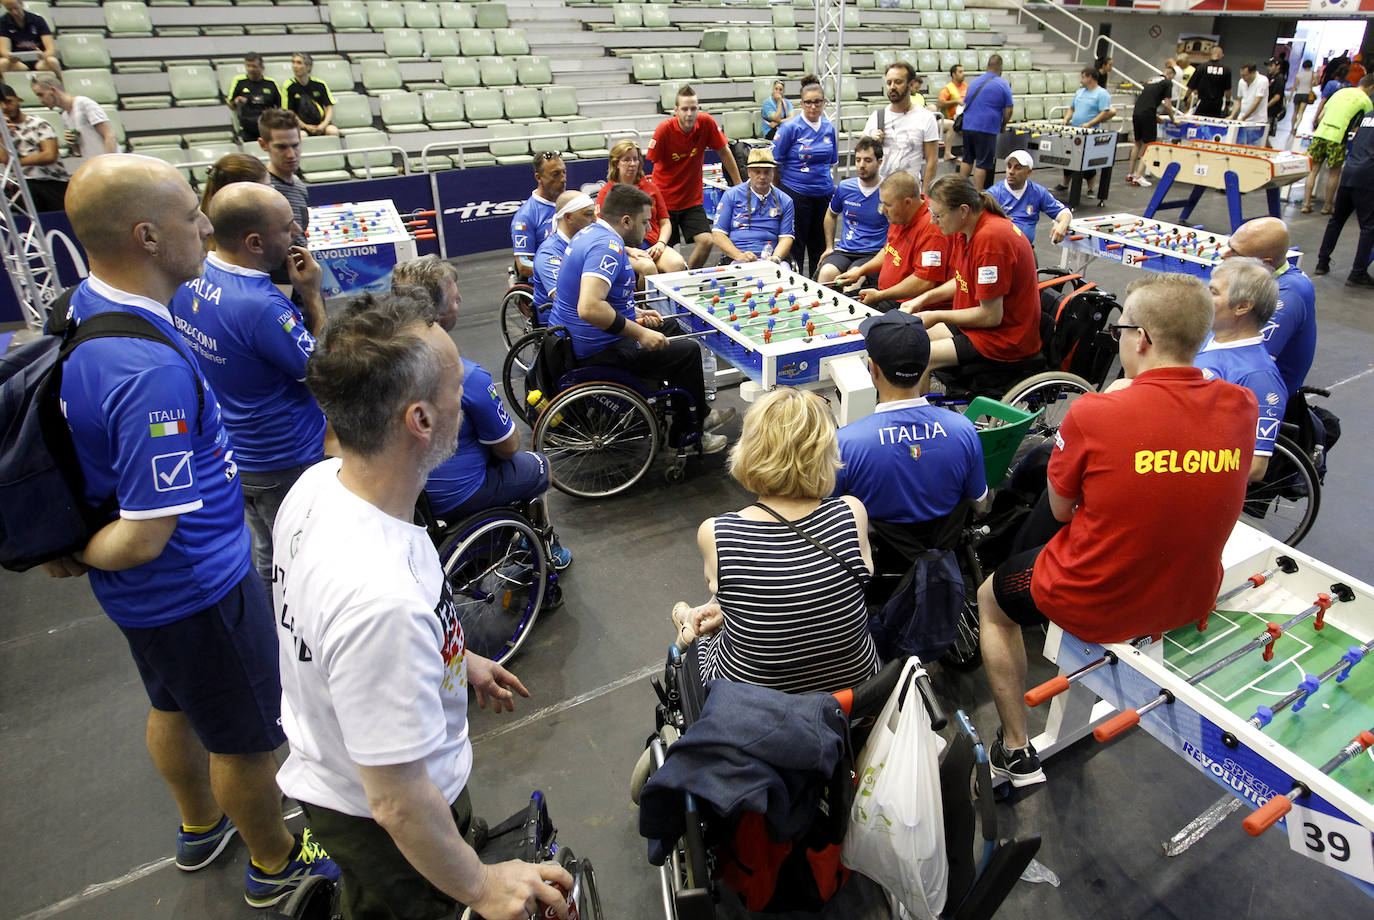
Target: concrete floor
<point>89,827</point>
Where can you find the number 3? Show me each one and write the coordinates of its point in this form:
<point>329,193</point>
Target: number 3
<point>1340,847</point>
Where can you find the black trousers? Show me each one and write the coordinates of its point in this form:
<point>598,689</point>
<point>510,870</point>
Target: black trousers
<point>809,241</point>
<point>678,365</point>
<point>48,194</point>
<point>1361,201</point>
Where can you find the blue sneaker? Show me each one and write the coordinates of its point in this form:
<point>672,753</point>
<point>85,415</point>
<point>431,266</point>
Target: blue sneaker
<point>561,555</point>
<point>196,851</point>
<point>265,889</point>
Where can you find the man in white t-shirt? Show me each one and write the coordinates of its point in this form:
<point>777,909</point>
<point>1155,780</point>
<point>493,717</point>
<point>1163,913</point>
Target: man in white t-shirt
<point>910,134</point>
<point>88,127</point>
<point>1254,96</point>
<point>374,668</point>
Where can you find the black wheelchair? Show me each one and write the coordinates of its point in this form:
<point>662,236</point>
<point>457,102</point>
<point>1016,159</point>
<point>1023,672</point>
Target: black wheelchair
<point>1284,504</point>
<point>705,857</point>
<point>519,315</point>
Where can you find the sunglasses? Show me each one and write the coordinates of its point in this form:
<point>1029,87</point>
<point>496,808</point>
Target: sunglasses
<point>1116,328</point>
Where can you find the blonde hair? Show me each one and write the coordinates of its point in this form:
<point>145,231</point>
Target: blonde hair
<point>619,150</point>
<point>788,447</point>
<point>1175,309</point>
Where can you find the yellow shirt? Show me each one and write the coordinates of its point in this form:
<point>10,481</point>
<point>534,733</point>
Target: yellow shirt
<point>951,97</point>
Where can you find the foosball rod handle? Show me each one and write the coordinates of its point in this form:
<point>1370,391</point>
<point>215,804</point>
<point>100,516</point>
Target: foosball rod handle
<point>1268,814</point>
<point>1057,685</point>
<point>1123,721</point>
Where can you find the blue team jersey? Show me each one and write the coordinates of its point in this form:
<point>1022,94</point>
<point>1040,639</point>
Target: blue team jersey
<point>252,344</point>
<point>131,406</point>
<point>1088,104</point>
<point>1291,333</point>
<point>862,228</point>
<point>485,422</point>
<point>1247,363</point>
<point>911,462</point>
<point>1025,211</point>
<point>805,154</point>
<point>752,222</point>
<point>530,226</point>
<point>599,251</point>
<point>983,112</point>
<point>547,261</point>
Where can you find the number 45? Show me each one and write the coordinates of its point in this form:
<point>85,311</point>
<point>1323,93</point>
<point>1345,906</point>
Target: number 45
<point>1319,841</point>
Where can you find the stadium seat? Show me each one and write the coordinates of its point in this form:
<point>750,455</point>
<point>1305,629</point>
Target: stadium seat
<point>403,44</point>
<point>981,21</point>
<point>921,4</point>
<point>483,106</point>
<point>849,88</point>
<point>956,4</point>
<point>713,40</point>
<point>492,16</point>
<point>930,20</point>
<point>1024,61</point>
<point>1019,82</point>
<point>443,109</point>
<point>1035,109</point>
<point>784,17</point>
<point>707,65</point>
<point>476,43</point>
<point>736,38</point>
<point>511,42</point>
<point>938,5</point>
<point>786,40</point>
<point>883,58</point>
<point>510,144</point>
<point>164,152</point>
<point>589,146</point>
<point>348,16</point>
<point>1054,82</point>
<point>439,43</point>
<point>949,58</point>
<point>82,50</point>
<point>739,125</point>
<point>208,154</point>
<point>456,16</point>
<point>918,38</point>
<point>667,96</point>
<point>968,59</point>
<point>381,75</point>
<point>335,73</point>
<point>985,55</point>
<point>964,20</point>
<point>377,164</point>
<point>627,16</point>
<point>765,62</point>
<point>126,19</point>
<point>851,17</point>
<point>19,82</point>
<point>193,84</point>
<point>763,88</point>
<point>421,15</point>
<point>677,65</point>
<point>949,19</point>
<point>656,16</point>
<point>94,82</point>
<point>549,135</point>
<point>323,168</point>
<point>761,38</point>
<point>352,112</point>
<point>559,101</point>
<point>1036,85</point>
<point>385,14</point>
<point>521,103</point>
<point>498,72</point>
<point>928,61</point>
<point>958,40</point>
<point>645,67</point>
<point>738,64</point>
<point>534,71</point>
<point>461,72</point>
<point>403,113</point>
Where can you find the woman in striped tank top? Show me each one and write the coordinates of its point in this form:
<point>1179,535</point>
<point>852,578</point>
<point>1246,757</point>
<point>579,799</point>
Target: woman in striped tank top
<point>786,613</point>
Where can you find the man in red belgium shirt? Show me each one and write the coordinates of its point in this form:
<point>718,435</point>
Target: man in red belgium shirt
<point>915,257</point>
<point>1145,485</point>
<point>678,151</point>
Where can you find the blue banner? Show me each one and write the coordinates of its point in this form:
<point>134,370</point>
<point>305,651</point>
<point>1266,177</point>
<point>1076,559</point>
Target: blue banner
<point>477,204</point>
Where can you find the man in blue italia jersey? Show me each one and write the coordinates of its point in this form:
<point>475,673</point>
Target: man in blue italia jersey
<point>533,222</point>
<point>594,299</point>
<point>252,344</point>
<point>1024,200</point>
<point>575,211</point>
<point>1244,297</point>
<point>1291,333</point>
<point>854,211</point>
<point>173,569</point>
<point>755,217</point>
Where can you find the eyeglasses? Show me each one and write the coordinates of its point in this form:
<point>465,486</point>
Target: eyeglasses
<point>1115,330</point>
<point>813,102</point>
<point>549,155</point>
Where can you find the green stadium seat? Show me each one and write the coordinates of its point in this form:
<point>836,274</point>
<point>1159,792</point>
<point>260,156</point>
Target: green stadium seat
<point>964,20</point>
<point>352,112</point>
<point>958,40</point>
<point>849,88</point>
<point>348,16</point>
<point>1054,82</point>
<point>439,43</point>
<point>736,38</point>
<point>381,75</point>
<point>279,71</point>
<point>939,40</point>
<point>403,113</point>
<point>1018,110</point>
<point>483,106</point>
<point>323,168</point>
<point>667,96</point>
<point>949,19</point>
<point>81,50</point>
<point>551,136</point>
<point>956,4</point>
<point>456,16</point>
<point>208,154</point>
<point>738,64</point>
<point>645,67</point>
<point>335,73</point>
<point>938,5</point>
<point>784,17</point>
<point>1019,82</point>
<point>761,38</point>
<point>656,16</point>
<point>851,17</point>
<point>164,152</point>
<point>521,103</point>
<point>511,42</point>
<point>1034,109</point>
<point>930,20</point>
<point>739,125</point>
<point>385,14</point>
<point>847,62</point>
<point>443,109</point>
<point>707,65</point>
<point>193,84</point>
<point>559,101</point>
<point>127,19</point>
<point>461,72</point>
<point>403,44</point>
<point>786,40</point>
<point>883,58</point>
<point>1037,83</point>
<point>534,70</point>
<point>1023,59</point>
<point>928,61</point>
<point>421,15</point>
<point>763,88</point>
<point>867,4</point>
<point>921,4</point>
<point>377,164</point>
<point>982,22</point>
<point>713,39</point>
<point>476,43</point>
<point>498,72</point>
<point>985,55</point>
<point>949,58</point>
<point>677,65</point>
<point>627,16</point>
<point>589,146</point>
<point>510,144</point>
<point>968,59</point>
<point>918,38</point>
<point>765,62</point>
<point>492,16</point>
<point>94,82</point>
<point>20,83</point>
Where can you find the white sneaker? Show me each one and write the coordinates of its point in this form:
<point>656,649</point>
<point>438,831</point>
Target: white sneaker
<point>717,418</point>
<point>713,443</point>
<point>1142,182</point>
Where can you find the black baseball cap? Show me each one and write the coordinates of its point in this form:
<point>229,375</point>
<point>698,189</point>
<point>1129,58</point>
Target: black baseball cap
<point>899,344</point>
<point>7,91</point>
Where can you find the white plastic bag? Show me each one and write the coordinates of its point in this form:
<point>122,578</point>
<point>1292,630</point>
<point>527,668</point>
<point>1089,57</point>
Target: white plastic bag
<point>896,830</point>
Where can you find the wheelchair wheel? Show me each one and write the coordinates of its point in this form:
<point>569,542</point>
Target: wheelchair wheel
<point>966,654</point>
<point>1285,503</point>
<point>588,898</point>
<point>1050,394</point>
<point>518,360</point>
<point>600,439</point>
<point>497,574</point>
<point>518,316</point>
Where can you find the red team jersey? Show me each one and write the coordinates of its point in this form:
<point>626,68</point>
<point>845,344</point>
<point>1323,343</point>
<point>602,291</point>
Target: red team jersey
<point>1158,471</point>
<point>678,157</point>
<point>915,248</point>
<point>646,185</point>
<point>997,261</point>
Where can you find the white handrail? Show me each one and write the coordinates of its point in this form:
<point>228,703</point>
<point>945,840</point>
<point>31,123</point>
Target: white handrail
<point>1079,42</point>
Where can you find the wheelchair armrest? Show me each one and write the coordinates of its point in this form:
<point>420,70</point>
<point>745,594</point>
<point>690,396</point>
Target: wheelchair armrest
<point>1314,391</point>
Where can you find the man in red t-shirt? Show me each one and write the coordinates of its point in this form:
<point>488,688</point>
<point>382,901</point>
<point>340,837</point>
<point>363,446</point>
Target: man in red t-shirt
<point>993,284</point>
<point>1145,485</point>
<point>914,259</point>
<point>678,151</point>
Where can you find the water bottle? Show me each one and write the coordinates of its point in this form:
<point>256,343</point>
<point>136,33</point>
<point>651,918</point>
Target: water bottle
<point>538,404</point>
<point>767,251</point>
<point>708,370</point>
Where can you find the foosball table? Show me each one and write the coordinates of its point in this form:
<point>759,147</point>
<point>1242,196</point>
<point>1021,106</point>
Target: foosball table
<point>1075,149</point>
<point>1145,243</point>
<point>776,327</point>
<point>1231,168</point>
<point>1208,128</point>
<point>359,243</point>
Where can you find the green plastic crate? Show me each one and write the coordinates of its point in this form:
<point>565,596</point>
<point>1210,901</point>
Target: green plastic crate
<point>1002,437</point>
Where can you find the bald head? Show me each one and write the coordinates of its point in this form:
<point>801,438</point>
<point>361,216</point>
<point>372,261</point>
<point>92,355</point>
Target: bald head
<point>573,221</point>
<point>1264,238</point>
<point>241,209</point>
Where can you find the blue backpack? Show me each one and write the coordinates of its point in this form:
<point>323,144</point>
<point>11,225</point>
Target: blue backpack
<point>43,514</point>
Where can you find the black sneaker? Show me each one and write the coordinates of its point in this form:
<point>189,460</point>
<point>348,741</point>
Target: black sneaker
<point>1061,187</point>
<point>1364,279</point>
<point>1021,766</point>
<point>1322,268</point>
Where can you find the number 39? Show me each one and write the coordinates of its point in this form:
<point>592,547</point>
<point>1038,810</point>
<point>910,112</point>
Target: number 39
<point>1318,842</point>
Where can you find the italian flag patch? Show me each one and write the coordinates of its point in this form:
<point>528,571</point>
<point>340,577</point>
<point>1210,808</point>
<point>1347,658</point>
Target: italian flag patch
<point>289,324</point>
<point>162,429</point>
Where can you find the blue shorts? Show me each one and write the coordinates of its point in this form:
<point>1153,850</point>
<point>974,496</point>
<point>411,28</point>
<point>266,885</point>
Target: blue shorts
<point>219,667</point>
<point>980,149</point>
<point>523,477</point>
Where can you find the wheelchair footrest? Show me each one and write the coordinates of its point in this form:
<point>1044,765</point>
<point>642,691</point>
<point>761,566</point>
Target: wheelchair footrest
<point>694,904</point>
